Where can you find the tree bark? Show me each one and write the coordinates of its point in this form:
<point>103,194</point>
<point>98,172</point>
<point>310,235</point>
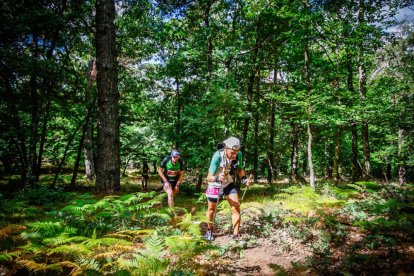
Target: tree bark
<point>362,92</point>
<point>108,156</point>
<point>270,151</point>
<point>256,129</point>
<point>328,167</point>
<point>78,157</point>
<point>337,177</point>
<point>88,153</point>
<point>62,161</point>
<point>312,178</point>
<point>42,141</point>
<point>354,130</point>
<point>402,166</point>
<point>252,77</point>
<point>178,122</point>
<point>355,170</point>
<point>199,182</point>
<point>90,98</point>
<point>294,164</point>
<point>207,10</point>
<point>20,140</point>
<point>34,101</point>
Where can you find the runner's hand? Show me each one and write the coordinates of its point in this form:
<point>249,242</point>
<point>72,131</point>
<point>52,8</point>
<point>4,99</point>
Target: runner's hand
<point>222,177</point>
<point>246,181</point>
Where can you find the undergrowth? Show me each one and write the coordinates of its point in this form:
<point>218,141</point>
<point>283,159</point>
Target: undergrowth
<point>133,234</point>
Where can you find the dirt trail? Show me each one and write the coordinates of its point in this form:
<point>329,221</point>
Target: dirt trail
<point>261,258</point>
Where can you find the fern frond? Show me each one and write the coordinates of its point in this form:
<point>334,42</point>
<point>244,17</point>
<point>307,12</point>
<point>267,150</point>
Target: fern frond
<point>69,264</point>
<point>32,265</point>
<point>183,245</point>
<point>43,229</point>
<point>93,243</point>
<point>132,235</point>
<point>356,187</point>
<point>10,230</point>
<point>71,249</point>
<point>127,264</point>
<point>134,199</point>
<point>87,263</point>
<point>150,265</point>
<point>155,244</point>
<point>117,250</point>
<point>187,224</point>
<point>63,238</point>
<point>33,248</point>
<point>156,219</point>
<point>5,256</point>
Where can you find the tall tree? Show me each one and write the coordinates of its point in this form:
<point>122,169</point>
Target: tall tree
<point>108,157</point>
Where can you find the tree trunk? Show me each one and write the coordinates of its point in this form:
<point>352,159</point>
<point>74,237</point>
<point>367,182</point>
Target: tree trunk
<point>207,10</point>
<point>355,170</point>
<point>126,164</point>
<point>270,151</point>
<point>337,177</point>
<point>354,130</point>
<point>42,141</point>
<point>88,153</point>
<point>199,183</point>
<point>401,152</point>
<point>78,157</point>
<point>62,161</point>
<point>20,140</point>
<point>90,98</point>
<point>252,77</point>
<point>256,129</point>
<point>310,158</point>
<point>108,156</point>
<point>366,150</point>
<point>178,122</point>
<point>328,167</point>
<point>294,164</point>
<point>362,93</point>
<point>34,101</point>
<point>85,127</point>
<point>312,177</point>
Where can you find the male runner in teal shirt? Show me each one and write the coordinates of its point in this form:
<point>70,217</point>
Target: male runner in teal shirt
<point>223,167</point>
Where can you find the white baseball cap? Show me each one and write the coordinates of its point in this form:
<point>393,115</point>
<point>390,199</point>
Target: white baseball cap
<point>232,143</point>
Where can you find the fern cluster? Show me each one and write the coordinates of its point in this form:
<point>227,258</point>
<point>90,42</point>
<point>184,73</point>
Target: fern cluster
<point>131,234</point>
<point>131,211</point>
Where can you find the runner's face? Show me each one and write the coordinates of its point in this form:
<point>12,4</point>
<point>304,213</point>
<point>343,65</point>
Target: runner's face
<point>175,158</point>
<point>232,153</point>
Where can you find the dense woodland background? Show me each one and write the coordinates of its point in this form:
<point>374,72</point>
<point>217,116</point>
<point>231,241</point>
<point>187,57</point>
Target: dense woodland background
<point>313,89</point>
<point>318,92</point>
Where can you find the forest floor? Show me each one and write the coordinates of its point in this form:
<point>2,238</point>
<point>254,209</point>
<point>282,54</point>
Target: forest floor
<point>364,229</point>
<point>263,258</point>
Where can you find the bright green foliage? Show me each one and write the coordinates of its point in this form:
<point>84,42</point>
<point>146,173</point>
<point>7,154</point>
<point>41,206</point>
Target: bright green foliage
<point>112,212</point>
<point>305,199</point>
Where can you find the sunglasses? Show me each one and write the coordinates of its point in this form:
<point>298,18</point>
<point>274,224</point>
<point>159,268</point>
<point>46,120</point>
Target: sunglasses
<point>234,148</point>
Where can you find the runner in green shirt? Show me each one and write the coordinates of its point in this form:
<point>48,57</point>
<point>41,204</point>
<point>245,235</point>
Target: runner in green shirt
<point>171,173</point>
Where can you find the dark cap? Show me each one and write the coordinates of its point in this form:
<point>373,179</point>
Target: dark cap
<point>175,153</point>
